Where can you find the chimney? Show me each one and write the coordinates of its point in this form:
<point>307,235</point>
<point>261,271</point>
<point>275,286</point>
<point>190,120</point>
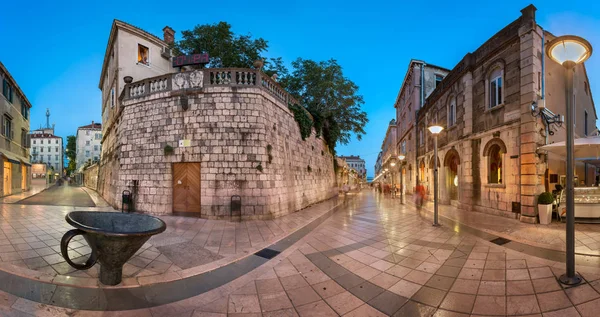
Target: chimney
<point>92,124</point>
<point>168,35</point>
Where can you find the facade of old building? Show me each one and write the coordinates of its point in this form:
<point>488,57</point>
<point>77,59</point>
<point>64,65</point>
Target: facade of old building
<point>356,163</point>
<point>47,149</point>
<point>420,81</point>
<point>88,144</point>
<point>488,156</point>
<point>14,147</point>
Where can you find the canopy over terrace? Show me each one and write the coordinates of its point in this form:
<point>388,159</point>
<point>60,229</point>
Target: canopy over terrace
<point>585,149</point>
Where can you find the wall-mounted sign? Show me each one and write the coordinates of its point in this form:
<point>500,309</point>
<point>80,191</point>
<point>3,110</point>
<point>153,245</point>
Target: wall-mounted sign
<point>194,59</point>
<point>185,143</point>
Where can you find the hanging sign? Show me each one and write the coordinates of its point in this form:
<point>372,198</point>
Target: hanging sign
<point>194,59</point>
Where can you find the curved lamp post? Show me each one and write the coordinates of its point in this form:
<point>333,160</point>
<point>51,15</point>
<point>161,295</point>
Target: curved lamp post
<point>569,51</point>
<point>435,130</point>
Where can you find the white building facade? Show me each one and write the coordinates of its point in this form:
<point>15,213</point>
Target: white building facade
<point>88,144</point>
<point>356,163</point>
<point>47,148</point>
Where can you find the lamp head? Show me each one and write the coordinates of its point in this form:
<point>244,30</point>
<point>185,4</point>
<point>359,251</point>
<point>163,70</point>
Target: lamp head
<point>401,157</point>
<point>569,50</point>
<point>435,129</point>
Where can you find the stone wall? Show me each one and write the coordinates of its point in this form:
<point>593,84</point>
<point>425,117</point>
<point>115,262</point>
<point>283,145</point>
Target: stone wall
<point>90,177</point>
<point>234,132</point>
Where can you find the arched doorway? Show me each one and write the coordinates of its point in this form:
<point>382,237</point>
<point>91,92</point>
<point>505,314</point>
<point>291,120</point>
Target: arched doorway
<point>451,163</point>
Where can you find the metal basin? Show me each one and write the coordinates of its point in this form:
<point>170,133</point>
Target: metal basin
<point>113,237</point>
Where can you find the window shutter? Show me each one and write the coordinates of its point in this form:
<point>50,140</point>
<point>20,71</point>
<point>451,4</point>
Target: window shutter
<point>12,134</point>
<point>28,141</point>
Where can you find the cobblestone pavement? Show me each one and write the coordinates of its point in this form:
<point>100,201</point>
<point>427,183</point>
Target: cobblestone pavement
<point>374,257</point>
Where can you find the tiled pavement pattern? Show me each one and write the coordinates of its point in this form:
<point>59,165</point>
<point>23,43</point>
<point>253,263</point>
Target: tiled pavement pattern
<point>375,258</point>
<point>37,186</point>
<point>587,236</point>
<point>30,238</point>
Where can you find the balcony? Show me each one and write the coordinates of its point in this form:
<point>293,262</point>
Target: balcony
<point>203,78</point>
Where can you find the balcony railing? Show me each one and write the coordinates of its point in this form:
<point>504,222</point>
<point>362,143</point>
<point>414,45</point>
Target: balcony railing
<point>210,77</point>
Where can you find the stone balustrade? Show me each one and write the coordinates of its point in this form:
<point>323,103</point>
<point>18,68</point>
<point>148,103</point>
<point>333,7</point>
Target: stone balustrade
<point>210,77</point>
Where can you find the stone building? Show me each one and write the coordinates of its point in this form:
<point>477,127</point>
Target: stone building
<point>14,126</point>
<point>356,163</point>
<point>377,167</point>
<point>419,82</point>
<point>389,153</point>
<point>88,144</point>
<point>209,135</point>
<point>47,149</point>
<point>488,152</point>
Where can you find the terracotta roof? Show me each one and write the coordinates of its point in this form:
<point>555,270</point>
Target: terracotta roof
<point>91,126</point>
<point>35,135</point>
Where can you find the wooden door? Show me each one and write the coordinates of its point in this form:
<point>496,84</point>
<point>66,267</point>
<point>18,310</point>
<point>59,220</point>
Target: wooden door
<point>186,187</point>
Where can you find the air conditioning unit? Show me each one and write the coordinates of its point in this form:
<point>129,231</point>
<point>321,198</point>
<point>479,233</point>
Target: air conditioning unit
<point>166,53</point>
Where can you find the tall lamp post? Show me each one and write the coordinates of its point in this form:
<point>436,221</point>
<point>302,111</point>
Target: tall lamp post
<point>569,51</point>
<point>401,159</point>
<point>435,130</point>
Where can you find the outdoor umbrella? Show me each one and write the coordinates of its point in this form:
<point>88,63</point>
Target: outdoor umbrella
<point>584,148</point>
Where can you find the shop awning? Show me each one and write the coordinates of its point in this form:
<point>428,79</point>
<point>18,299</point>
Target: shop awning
<point>11,157</point>
<point>25,163</point>
<point>583,149</point>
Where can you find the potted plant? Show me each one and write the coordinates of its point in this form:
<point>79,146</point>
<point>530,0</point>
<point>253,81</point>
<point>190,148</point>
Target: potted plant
<point>545,201</point>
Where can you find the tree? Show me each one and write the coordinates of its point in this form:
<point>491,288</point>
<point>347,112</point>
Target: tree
<point>224,48</point>
<point>71,154</point>
<point>331,98</point>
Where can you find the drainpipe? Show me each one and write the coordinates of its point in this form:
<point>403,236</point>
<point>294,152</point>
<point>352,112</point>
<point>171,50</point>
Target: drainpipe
<point>422,85</point>
<point>543,92</point>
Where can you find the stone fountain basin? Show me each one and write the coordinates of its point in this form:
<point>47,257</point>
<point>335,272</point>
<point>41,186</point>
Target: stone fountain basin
<point>113,237</point>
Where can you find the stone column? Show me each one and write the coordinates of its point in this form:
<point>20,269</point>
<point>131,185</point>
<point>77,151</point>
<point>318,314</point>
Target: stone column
<point>530,138</point>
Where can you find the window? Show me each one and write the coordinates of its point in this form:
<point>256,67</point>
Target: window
<point>438,80</point>
<point>24,110</point>
<point>98,136</point>
<point>33,141</point>
<point>452,112</point>
<point>42,157</point>
<point>143,55</point>
<point>495,165</point>
<point>56,157</point>
<point>56,141</point>
<point>23,138</point>
<point>41,149</point>
<point>421,141</point>
<point>112,98</point>
<point>7,127</point>
<point>87,153</point>
<point>7,90</point>
<point>87,142</point>
<point>56,149</point>
<point>95,158</point>
<point>495,90</point>
<point>585,123</point>
<point>49,157</point>
<point>49,149</point>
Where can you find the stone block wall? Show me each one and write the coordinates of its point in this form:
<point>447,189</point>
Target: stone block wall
<point>234,132</point>
<point>90,177</point>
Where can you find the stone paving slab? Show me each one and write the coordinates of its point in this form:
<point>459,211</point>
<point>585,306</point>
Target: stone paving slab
<point>375,258</point>
<point>30,245</point>
<point>552,236</point>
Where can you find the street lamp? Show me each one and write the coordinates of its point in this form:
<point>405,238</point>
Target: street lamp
<point>435,130</point>
<point>569,51</point>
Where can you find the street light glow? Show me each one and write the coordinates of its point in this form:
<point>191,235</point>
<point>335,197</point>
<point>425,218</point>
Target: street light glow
<point>393,164</point>
<point>569,48</point>
<point>435,129</point>
<point>401,157</point>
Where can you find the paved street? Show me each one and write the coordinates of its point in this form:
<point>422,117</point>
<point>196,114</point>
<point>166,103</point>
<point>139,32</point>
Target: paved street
<point>64,195</point>
<point>371,257</point>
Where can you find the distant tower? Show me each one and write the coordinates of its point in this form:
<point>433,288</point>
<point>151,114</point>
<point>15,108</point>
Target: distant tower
<point>47,118</point>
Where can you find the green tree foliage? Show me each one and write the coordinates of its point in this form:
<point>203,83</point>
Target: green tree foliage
<point>330,97</point>
<point>320,87</point>
<point>224,48</point>
<point>71,153</point>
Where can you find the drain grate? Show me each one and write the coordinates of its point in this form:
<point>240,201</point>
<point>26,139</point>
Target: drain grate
<point>267,253</point>
<point>500,241</point>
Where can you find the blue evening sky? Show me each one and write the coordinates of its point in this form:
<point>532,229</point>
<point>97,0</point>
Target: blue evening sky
<point>55,50</point>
